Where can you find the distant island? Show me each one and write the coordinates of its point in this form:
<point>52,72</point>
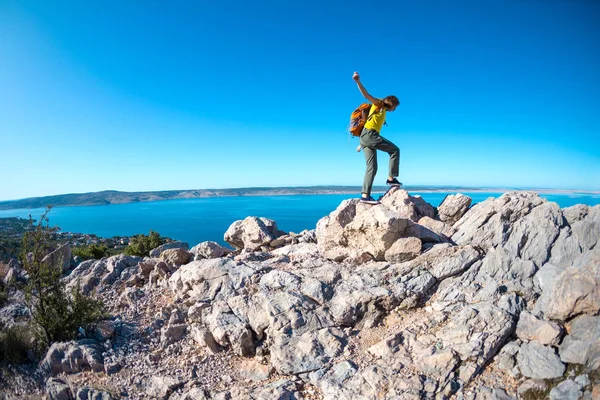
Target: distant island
<point>117,197</point>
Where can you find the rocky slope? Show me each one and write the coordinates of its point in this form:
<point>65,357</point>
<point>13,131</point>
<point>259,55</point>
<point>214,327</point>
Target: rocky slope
<point>394,301</point>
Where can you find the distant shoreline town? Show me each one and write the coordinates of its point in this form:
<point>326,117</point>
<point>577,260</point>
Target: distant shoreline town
<point>118,197</point>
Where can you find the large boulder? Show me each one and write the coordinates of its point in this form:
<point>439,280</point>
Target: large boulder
<point>539,362</point>
<point>99,274</point>
<point>206,279</point>
<point>357,232</point>
<point>374,230</point>
<point>58,389</point>
<point>531,328</point>
<point>251,233</point>
<point>403,249</point>
<point>582,344</point>
<point>574,291</point>
<point>521,223</point>
<point>176,257</point>
<point>423,232</point>
<point>546,276</point>
<point>330,229</point>
<point>62,256</point>
<point>532,236</point>
<point>453,207</point>
<point>440,228</point>
<point>443,262</point>
<point>359,229</point>
<point>72,357</point>
<point>580,235</point>
<point>486,223</point>
<point>407,206</point>
<point>209,250</point>
<point>497,277</point>
<point>585,224</point>
<point>365,294</point>
<point>228,329</point>
<point>171,245</point>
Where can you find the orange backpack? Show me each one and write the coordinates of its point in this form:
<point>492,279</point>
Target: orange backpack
<point>359,118</point>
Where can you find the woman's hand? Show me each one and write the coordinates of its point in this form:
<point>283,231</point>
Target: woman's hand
<point>363,91</point>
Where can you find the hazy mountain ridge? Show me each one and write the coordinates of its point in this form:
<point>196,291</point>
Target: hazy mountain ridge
<point>118,197</point>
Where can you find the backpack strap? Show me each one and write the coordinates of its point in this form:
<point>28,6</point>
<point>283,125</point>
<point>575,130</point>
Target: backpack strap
<point>377,108</point>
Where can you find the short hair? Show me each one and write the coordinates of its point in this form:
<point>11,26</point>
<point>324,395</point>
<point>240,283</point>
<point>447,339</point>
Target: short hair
<point>391,101</point>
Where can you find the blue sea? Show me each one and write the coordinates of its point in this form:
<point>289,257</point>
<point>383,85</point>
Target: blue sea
<point>198,220</point>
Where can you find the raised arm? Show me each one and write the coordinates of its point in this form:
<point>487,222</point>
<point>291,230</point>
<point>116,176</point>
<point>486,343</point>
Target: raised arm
<point>363,91</point>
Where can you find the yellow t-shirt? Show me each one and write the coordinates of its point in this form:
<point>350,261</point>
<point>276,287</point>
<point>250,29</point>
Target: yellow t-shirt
<point>376,119</point>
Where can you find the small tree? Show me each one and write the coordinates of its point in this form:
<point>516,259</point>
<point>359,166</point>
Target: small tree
<point>141,245</point>
<point>57,313</point>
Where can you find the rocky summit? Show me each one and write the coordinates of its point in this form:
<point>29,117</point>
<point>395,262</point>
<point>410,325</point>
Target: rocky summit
<point>400,300</point>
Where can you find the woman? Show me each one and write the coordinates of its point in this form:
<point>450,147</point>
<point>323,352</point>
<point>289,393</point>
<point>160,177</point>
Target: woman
<point>371,141</point>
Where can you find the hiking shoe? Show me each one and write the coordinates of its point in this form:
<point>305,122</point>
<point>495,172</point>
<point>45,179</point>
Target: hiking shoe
<point>368,200</point>
<point>393,182</point>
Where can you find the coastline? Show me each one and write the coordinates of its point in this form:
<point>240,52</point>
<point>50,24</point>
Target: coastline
<point>117,197</point>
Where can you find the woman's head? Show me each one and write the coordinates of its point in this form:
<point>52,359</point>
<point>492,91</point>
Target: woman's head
<point>390,103</point>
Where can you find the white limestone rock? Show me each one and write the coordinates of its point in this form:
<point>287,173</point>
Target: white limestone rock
<point>155,253</point>
<point>307,352</point>
<point>251,233</point>
<point>582,344</point>
<point>574,291</point>
<point>72,357</point>
<point>403,249</point>
<point>531,328</point>
<point>453,207</point>
<point>209,249</point>
<point>539,362</point>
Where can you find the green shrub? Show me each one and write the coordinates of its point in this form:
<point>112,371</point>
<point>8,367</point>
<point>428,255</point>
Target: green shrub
<point>140,245</point>
<point>536,394</point>
<point>16,341</point>
<point>91,251</point>
<point>56,312</point>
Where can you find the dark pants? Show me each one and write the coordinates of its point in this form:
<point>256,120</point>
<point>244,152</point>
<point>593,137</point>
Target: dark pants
<point>371,141</point>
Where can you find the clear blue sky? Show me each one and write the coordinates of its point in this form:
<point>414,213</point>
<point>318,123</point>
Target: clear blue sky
<point>155,95</point>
